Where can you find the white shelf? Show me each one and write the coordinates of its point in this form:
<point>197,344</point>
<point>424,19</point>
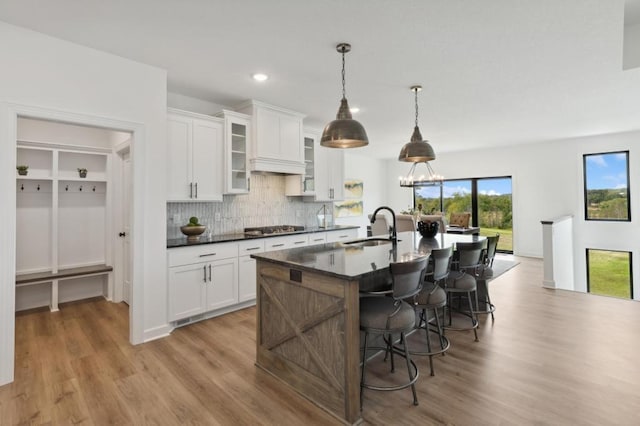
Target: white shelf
<point>62,219</point>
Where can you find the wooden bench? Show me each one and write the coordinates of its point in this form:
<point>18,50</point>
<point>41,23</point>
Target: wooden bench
<point>62,274</point>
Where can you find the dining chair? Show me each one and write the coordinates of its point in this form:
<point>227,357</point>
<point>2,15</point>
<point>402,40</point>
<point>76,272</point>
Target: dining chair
<point>380,226</point>
<point>460,219</point>
<point>389,316</point>
<point>405,223</point>
<point>442,222</point>
<point>462,281</point>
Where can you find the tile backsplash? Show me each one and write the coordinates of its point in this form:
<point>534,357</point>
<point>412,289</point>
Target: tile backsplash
<point>265,205</point>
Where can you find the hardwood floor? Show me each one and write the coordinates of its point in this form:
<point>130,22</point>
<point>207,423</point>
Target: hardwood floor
<point>550,357</point>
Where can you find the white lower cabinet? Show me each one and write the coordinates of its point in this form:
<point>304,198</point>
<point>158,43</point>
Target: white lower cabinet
<point>247,278</point>
<point>222,288</point>
<point>202,278</point>
<point>247,269</point>
<point>187,290</point>
<point>219,278</point>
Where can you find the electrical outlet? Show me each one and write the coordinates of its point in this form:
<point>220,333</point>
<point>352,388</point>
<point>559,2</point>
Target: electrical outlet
<point>217,217</point>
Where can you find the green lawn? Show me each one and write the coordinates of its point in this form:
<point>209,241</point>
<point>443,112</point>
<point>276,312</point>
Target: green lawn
<point>506,237</point>
<point>609,273</point>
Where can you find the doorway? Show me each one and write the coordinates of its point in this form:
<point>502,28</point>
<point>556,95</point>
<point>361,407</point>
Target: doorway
<point>11,113</point>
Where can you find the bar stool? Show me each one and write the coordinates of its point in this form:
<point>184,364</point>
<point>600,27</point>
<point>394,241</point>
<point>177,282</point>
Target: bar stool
<point>387,316</point>
<point>467,260</point>
<point>485,274</point>
<point>431,298</point>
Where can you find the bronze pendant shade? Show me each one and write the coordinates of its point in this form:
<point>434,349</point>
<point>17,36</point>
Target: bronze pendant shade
<point>417,150</point>
<point>344,131</point>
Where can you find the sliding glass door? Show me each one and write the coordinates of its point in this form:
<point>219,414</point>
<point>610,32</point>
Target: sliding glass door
<point>487,199</point>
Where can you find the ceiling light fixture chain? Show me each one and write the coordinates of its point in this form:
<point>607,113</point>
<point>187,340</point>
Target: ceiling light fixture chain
<point>415,89</point>
<point>344,84</point>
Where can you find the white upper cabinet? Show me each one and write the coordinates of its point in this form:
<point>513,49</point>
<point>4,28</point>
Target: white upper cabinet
<point>305,184</point>
<point>329,167</point>
<point>276,138</point>
<point>195,157</point>
<point>237,136</point>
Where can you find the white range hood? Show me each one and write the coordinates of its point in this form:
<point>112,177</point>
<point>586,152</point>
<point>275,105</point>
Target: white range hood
<point>277,144</point>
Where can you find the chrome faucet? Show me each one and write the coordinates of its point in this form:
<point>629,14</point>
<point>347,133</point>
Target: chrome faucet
<point>393,236</point>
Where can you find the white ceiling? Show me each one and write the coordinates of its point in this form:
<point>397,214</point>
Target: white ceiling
<point>495,72</point>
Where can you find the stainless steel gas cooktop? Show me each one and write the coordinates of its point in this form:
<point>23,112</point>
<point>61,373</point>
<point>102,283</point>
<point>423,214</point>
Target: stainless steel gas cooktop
<point>278,229</point>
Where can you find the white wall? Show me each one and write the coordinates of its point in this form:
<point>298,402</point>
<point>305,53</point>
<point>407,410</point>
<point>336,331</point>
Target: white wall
<point>187,103</point>
<point>631,50</point>
<point>49,73</point>
<point>371,172</point>
<point>547,183</point>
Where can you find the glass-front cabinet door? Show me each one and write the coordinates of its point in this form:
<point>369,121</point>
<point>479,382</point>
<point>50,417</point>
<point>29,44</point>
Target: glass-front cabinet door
<point>237,133</point>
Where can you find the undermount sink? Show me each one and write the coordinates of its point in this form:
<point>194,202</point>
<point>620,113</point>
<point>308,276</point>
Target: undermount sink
<point>368,242</point>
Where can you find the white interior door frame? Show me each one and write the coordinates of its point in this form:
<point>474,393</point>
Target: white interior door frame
<point>9,114</point>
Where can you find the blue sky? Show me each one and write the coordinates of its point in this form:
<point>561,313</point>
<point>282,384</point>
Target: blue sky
<point>606,171</point>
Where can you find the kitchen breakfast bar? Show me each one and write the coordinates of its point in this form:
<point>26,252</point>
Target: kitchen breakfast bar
<point>308,313</point>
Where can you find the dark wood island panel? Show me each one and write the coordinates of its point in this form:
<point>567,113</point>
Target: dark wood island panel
<point>308,335</point>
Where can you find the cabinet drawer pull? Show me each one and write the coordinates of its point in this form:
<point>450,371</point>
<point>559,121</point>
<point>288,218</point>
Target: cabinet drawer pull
<point>343,236</point>
<point>299,242</point>
<point>277,245</point>
<point>319,239</point>
<point>208,254</point>
<point>252,248</point>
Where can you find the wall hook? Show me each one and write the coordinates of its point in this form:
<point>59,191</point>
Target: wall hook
<point>22,187</point>
<point>80,188</point>
<point>94,188</point>
<point>66,188</point>
<point>38,188</point>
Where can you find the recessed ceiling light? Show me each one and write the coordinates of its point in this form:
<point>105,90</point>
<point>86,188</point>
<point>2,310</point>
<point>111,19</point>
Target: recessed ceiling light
<point>354,110</point>
<point>260,77</point>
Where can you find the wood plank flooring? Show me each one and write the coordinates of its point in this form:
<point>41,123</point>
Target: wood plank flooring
<point>550,357</point>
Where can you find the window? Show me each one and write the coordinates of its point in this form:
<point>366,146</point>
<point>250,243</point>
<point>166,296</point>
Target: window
<point>487,199</point>
<point>609,273</point>
<point>606,186</point>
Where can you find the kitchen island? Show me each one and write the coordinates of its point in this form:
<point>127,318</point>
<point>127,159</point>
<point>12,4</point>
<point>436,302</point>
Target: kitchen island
<point>308,313</point>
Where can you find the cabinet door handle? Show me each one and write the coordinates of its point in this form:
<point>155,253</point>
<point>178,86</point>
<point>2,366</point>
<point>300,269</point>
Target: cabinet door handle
<point>248,184</point>
<point>196,189</point>
<point>190,189</point>
<point>207,255</point>
<point>277,245</point>
<point>204,268</point>
<point>209,273</point>
<point>331,193</point>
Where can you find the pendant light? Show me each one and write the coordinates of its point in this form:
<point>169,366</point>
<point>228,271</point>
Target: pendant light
<point>416,150</point>
<point>344,131</point>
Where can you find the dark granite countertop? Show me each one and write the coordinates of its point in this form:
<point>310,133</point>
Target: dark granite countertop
<point>204,239</point>
<point>346,261</point>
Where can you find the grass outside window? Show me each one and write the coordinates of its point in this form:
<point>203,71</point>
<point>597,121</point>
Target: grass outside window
<point>609,273</point>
